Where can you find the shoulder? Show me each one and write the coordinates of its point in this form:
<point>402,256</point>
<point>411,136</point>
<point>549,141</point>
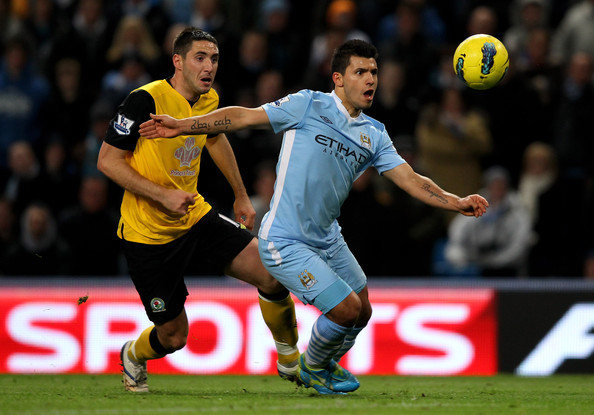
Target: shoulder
<point>139,97</point>
<point>210,99</point>
<point>155,88</point>
<point>374,123</point>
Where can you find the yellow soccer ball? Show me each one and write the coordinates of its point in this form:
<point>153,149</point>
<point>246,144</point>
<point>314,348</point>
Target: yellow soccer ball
<point>481,61</point>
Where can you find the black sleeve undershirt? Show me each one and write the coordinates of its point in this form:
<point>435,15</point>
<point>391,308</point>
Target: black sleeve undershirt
<point>135,110</point>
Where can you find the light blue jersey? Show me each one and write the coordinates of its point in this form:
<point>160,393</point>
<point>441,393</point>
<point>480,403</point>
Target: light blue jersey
<point>324,151</point>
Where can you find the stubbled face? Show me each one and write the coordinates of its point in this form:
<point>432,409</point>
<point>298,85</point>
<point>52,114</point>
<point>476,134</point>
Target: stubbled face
<point>199,67</point>
<point>359,83</point>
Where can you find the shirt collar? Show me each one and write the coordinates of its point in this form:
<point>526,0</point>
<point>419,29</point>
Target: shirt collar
<point>342,108</point>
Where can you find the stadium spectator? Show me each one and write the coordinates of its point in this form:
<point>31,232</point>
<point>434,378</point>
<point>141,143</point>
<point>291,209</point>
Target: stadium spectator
<point>432,24</point>
<point>542,80</point>
<point>285,46</point>
<point>44,23</point>
<point>219,18</point>
<point>11,24</point>
<point>59,178</point>
<point>564,240</point>
<point>574,33</point>
<point>40,250</point>
<point>452,139</point>
<point>526,16</point>
<point>23,91</point>
<point>24,182</point>
<point>482,19</point>
<point>151,12</point>
<point>87,39</point>
<point>411,47</point>
<point>100,115</point>
<point>66,112</point>
<point>496,244</point>
<point>133,37</point>
<point>572,123</point>
<point>340,25</point>
<point>131,73</point>
<point>88,227</point>
<point>539,173</point>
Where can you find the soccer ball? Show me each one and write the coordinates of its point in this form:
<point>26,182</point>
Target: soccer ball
<point>481,61</point>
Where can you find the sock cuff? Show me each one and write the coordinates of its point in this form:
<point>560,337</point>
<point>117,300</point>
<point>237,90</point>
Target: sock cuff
<point>274,298</point>
<point>156,344</point>
<point>324,325</point>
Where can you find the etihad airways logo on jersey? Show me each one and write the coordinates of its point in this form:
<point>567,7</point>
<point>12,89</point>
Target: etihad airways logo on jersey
<point>338,149</point>
<point>185,155</point>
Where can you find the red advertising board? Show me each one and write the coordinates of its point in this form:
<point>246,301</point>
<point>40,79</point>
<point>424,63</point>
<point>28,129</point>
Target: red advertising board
<point>413,331</point>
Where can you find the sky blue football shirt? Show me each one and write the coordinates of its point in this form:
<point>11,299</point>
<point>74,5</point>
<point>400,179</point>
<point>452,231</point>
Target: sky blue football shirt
<point>324,151</point>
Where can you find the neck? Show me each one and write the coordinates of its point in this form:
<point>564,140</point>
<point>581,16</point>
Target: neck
<point>353,112</point>
<point>178,84</point>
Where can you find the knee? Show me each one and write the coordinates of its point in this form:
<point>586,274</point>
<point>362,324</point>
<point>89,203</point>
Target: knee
<point>347,313</point>
<point>364,315</point>
<point>269,285</point>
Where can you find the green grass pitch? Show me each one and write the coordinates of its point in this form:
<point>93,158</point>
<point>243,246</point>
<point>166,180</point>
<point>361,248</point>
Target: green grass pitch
<point>104,394</point>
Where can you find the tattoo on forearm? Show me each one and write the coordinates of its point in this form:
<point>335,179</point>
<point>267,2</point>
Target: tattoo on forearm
<point>197,125</point>
<point>432,193</point>
<point>205,126</point>
<point>225,122</point>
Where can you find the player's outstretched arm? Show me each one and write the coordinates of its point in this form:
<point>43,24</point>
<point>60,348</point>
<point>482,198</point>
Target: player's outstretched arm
<point>427,191</point>
<point>220,121</point>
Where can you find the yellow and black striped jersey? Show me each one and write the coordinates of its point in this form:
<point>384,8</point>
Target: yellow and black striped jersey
<point>170,162</point>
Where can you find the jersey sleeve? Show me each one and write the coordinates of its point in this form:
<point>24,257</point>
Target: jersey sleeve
<point>133,111</point>
<point>386,156</point>
<point>288,112</point>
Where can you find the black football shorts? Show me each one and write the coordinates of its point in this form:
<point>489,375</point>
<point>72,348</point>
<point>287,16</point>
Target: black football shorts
<point>158,271</point>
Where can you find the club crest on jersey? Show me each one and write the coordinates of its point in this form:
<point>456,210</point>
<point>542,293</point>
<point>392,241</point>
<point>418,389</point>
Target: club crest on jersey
<point>122,124</point>
<point>187,152</point>
<point>365,141</point>
<point>157,305</point>
<point>281,101</point>
<point>307,279</point>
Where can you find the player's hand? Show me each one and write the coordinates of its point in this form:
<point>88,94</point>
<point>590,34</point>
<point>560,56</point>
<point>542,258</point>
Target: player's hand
<point>160,126</point>
<point>177,201</point>
<point>473,205</point>
<point>244,212</point>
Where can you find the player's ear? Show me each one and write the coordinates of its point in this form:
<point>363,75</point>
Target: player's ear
<point>337,79</point>
<point>177,61</point>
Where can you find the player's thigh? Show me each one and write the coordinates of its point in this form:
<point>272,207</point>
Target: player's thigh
<point>304,271</point>
<point>248,267</point>
<point>157,273</point>
<point>344,263</point>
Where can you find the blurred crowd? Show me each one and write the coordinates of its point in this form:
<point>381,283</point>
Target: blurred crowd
<point>527,145</point>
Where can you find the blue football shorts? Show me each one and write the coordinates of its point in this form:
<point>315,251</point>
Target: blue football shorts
<point>321,277</point>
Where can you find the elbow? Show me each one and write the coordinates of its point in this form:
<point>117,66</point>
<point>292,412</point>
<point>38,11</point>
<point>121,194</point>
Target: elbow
<point>101,166</point>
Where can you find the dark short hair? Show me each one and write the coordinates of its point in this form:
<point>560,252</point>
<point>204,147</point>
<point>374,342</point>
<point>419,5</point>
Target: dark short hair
<point>356,47</point>
<point>183,41</point>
